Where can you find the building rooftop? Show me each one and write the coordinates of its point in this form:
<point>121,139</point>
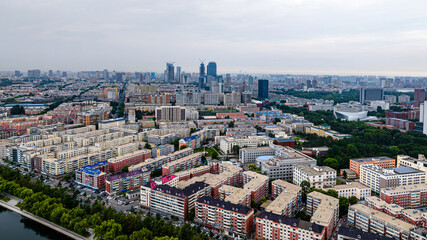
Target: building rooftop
<point>359,234</point>
<point>182,193</point>
<point>392,171</point>
<point>281,202</point>
<point>350,185</point>
<point>382,217</point>
<point>314,171</point>
<point>403,189</point>
<point>289,186</point>
<point>225,205</point>
<point>294,222</point>
<point>123,175</point>
<point>371,159</point>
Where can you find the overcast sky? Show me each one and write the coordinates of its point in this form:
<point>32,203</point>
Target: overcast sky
<point>249,36</point>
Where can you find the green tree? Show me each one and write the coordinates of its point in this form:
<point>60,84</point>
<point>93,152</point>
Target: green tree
<point>352,200</point>
<point>231,124</point>
<point>108,230</point>
<point>143,234</point>
<point>17,110</point>
<point>331,162</point>
<point>215,155</point>
<point>305,185</point>
<point>236,149</point>
<point>183,147</point>
<point>125,169</point>
<point>147,146</point>
<point>344,174</point>
<point>191,214</point>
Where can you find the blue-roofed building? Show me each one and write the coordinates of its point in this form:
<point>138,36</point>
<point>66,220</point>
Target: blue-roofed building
<point>92,176</point>
<point>191,141</point>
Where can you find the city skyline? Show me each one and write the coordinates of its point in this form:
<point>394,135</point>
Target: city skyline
<point>293,37</point>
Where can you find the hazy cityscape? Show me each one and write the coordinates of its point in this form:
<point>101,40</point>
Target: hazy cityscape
<point>272,120</point>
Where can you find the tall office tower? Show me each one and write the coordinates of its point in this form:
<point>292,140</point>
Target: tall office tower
<point>371,94</point>
<point>50,73</point>
<point>262,89</point>
<point>178,74</point>
<point>120,77</point>
<point>17,73</point>
<point>419,95</point>
<point>212,69</point>
<point>106,74</point>
<point>64,74</point>
<point>35,73</point>
<point>170,72</point>
<point>202,70</point>
<point>314,83</point>
<point>250,81</point>
<point>201,82</point>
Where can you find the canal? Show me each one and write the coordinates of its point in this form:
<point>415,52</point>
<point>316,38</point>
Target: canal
<point>15,227</point>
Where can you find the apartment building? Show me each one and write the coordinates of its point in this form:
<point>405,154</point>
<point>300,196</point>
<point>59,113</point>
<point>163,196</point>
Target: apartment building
<point>411,196</point>
<point>235,195</point>
<point>318,176</point>
<point>282,165</point>
<point>324,210</point>
<point>226,144</point>
<point>350,189</point>
<point>345,233</point>
<point>170,113</point>
<point>383,162</point>
<point>370,220</point>
<point>92,176</point>
<point>126,181</point>
<point>111,123</point>
<point>155,163</point>
<point>235,219</point>
<point>377,178</point>
<point>278,227</point>
<point>184,163</point>
<point>288,198</point>
<point>256,183</point>
<point>248,155</point>
<point>162,150</point>
<point>118,163</point>
<point>171,201</point>
<point>419,163</point>
<point>195,172</point>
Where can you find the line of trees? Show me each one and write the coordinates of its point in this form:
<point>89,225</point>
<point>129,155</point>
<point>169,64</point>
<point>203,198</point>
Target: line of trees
<point>58,206</point>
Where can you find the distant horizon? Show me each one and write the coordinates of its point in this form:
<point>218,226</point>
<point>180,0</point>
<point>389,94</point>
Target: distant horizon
<point>326,73</point>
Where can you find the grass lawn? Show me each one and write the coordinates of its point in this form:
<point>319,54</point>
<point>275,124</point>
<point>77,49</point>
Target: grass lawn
<point>209,151</point>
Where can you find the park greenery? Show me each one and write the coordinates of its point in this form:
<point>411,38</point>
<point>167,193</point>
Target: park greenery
<point>345,96</point>
<point>367,141</point>
<point>61,207</point>
<point>17,110</point>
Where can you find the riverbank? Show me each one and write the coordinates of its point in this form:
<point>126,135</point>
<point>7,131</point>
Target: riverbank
<point>11,205</point>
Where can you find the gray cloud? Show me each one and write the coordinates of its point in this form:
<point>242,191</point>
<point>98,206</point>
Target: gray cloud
<point>278,36</point>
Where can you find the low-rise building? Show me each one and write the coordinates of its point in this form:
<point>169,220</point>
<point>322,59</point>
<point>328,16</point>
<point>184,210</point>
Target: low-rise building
<point>370,220</point>
<point>162,150</point>
<point>345,233</point>
<point>256,183</point>
<point>377,178</point>
<point>171,201</point>
<point>226,144</point>
<point>324,210</point>
<point>184,163</point>
<point>318,176</point>
<point>126,181</point>
<point>118,163</point>
<point>232,218</point>
<point>411,196</point>
<point>281,165</point>
<point>350,189</point>
<point>274,226</point>
<point>92,176</point>
<point>235,195</point>
<point>287,198</point>
<point>249,155</point>
<point>419,163</point>
<point>383,162</point>
<point>324,130</point>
